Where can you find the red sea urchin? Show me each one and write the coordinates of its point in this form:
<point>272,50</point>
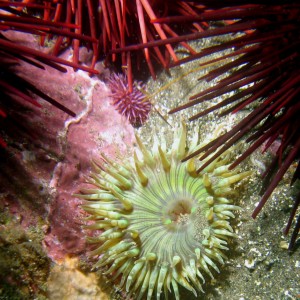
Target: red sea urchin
<point>117,24</point>
<point>259,71</point>
<point>132,104</point>
<point>162,223</point>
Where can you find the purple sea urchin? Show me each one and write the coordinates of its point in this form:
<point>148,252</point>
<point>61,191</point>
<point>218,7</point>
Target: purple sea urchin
<point>133,104</point>
<point>161,222</point>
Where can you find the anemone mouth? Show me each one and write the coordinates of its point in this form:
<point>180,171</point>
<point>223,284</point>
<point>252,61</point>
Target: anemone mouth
<point>161,222</point>
<point>179,213</point>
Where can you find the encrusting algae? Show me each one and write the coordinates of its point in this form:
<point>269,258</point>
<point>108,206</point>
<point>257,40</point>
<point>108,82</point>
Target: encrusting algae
<point>161,223</point>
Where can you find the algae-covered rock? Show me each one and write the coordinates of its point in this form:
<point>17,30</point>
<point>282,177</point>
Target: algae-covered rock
<point>23,263</point>
<point>66,281</point>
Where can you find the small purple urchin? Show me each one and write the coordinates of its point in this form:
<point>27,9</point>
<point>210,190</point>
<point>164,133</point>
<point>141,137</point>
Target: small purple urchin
<point>134,105</point>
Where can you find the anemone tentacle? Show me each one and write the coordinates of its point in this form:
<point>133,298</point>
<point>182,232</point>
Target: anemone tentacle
<point>163,225</point>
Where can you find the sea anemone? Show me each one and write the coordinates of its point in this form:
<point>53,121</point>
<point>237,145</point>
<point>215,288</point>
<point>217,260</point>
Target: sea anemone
<point>131,103</point>
<point>161,224</point>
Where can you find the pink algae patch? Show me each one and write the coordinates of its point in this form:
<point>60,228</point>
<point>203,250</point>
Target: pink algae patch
<point>99,129</point>
<point>45,162</point>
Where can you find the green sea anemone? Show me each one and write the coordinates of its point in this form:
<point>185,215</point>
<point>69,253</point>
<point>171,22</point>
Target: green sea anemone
<point>158,223</point>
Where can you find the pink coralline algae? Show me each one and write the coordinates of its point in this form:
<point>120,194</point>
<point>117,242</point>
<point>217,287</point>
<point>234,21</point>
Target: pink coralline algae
<point>43,163</point>
<point>134,105</point>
